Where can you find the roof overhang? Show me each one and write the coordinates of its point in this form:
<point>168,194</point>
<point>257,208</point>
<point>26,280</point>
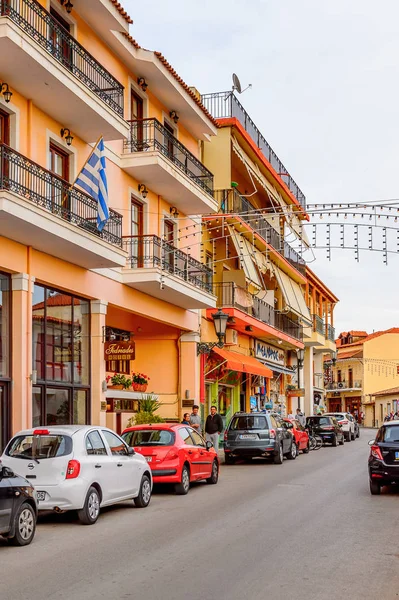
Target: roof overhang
<point>102,15</point>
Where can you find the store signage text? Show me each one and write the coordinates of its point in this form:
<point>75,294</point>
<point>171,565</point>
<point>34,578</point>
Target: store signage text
<point>119,351</point>
<point>269,353</point>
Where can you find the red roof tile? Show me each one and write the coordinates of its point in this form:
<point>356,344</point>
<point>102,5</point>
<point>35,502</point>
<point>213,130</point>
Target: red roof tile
<point>58,300</point>
<point>371,336</point>
<point>394,390</point>
<point>351,354</point>
<point>122,11</point>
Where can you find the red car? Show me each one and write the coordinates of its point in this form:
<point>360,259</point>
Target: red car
<point>300,434</point>
<point>176,454</point>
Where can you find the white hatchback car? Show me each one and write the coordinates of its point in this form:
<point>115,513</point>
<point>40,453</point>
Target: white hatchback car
<point>348,424</point>
<point>79,467</point>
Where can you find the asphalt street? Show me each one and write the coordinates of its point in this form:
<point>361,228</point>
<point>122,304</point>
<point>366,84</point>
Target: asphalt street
<point>308,529</point>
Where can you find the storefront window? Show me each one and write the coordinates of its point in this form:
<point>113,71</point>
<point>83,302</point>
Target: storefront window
<point>224,394</point>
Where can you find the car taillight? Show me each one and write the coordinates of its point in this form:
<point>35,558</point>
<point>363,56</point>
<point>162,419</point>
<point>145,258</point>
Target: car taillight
<point>376,452</point>
<point>225,435</point>
<point>272,433</point>
<point>344,422</point>
<point>73,469</point>
<point>41,432</point>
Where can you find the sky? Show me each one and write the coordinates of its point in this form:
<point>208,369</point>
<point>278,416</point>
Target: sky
<point>325,95</point>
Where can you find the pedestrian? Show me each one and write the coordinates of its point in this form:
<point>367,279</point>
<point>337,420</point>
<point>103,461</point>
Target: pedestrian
<point>213,427</point>
<point>186,419</point>
<point>300,417</point>
<point>195,419</point>
<point>290,416</point>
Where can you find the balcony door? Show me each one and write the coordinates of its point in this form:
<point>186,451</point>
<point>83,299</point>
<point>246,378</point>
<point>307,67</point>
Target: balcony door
<point>59,34</point>
<point>4,139</point>
<point>137,114</point>
<point>59,165</point>
<point>169,247</point>
<point>169,139</point>
<point>137,229</point>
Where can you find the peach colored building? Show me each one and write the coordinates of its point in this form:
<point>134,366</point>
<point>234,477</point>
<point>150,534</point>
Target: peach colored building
<point>66,289</point>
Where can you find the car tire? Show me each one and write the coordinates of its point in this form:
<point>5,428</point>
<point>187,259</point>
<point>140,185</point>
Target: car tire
<point>342,442</point>
<point>349,438</point>
<point>293,453</point>
<point>229,460</point>
<point>358,434</point>
<point>144,496</point>
<point>279,456</point>
<point>181,489</point>
<point>334,442</point>
<point>353,436</point>
<point>25,526</point>
<point>307,449</point>
<point>90,512</point>
<point>375,488</point>
<point>214,478</point>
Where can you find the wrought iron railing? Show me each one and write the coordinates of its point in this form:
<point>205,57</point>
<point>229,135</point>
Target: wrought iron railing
<point>232,295</point>
<point>34,184</point>
<point>331,333</point>
<point>318,324</point>
<point>39,24</point>
<point>150,134</point>
<point>226,105</point>
<point>345,385</point>
<point>231,201</point>
<point>148,251</point>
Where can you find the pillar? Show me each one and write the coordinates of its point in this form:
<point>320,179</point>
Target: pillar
<point>307,381</point>
<point>98,316</point>
<point>190,373</point>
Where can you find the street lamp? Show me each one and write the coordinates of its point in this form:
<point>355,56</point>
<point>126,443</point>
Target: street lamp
<point>220,323</point>
<point>334,358</point>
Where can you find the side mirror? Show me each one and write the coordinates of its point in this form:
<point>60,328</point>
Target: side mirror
<point>371,442</point>
<point>131,451</point>
<point>209,445</point>
<point>6,472</point>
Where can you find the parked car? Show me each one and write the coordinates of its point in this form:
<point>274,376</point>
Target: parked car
<point>258,434</point>
<point>327,427</point>
<point>348,424</point>
<point>175,453</point>
<point>301,436</point>
<point>18,508</point>
<point>383,461</point>
<point>79,467</point>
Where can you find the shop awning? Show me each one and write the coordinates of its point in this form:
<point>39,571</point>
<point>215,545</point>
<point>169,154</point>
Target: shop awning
<point>244,255</point>
<point>292,295</point>
<point>279,368</point>
<point>243,364</point>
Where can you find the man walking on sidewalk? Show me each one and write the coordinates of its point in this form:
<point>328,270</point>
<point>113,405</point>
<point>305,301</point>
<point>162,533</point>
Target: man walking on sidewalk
<point>213,427</point>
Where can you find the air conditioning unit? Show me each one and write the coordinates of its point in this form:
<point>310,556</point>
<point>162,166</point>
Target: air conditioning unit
<point>231,337</point>
<point>340,385</point>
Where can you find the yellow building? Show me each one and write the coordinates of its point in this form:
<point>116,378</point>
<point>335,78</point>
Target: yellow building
<point>365,364</point>
<point>381,404</point>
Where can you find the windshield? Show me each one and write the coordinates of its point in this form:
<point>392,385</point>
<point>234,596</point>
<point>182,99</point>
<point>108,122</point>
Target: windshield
<point>149,437</point>
<point>39,446</point>
<point>388,434</point>
<point>318,421</point>
<point>249,422</point>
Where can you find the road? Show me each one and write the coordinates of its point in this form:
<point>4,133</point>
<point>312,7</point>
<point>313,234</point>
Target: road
<point>308,529</point>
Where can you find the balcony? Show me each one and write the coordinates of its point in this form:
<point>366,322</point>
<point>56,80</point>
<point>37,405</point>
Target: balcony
<point>230,201</point>
<point>156,158</point>
<point>41,210</point>
<point>45,62</point>
<point>230,295</point>
<point>345,386</point>
<point>224,105</point>
<point>158,269</point>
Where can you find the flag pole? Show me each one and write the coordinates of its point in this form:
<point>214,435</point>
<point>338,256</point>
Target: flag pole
<point>77,176</point>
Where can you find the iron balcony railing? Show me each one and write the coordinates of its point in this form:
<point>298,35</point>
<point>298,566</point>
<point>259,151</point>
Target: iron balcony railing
<point>318,324</point>
<point>331,333</point>
<point>34,184</point>
<point>150,134</point>
<point>345,385</point>
<point>225,105</point>
<point>40,25</point>
<point>234,296</point>
<point>149,251</point>
<point>231,201</point>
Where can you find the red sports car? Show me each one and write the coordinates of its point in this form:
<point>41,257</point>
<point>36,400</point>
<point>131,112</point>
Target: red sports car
<point>300,434</point>
<point>176,454</point>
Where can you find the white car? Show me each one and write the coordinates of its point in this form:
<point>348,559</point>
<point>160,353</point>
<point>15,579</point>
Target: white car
<point>348,424</point>
<point>79,467</point>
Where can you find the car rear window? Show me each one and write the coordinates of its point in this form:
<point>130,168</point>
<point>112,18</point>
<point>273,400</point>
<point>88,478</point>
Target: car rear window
<point>149,437</point>
<point>389,433</point>
<point>39,446</point>
<point>319,420</point>
<point>249,422</point>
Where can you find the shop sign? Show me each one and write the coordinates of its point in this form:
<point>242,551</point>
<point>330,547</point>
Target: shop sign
<point>119,351</point>
<point>267,352</point>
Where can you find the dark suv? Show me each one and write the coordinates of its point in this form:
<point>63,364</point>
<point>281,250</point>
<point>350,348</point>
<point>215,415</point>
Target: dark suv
<point>258,434</point>
<point>384,457</point>
<point>327,428</point>
<point>18,508</point>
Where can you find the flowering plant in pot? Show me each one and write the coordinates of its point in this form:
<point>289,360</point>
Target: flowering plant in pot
<point>140,382</point>
<point>119,382</point>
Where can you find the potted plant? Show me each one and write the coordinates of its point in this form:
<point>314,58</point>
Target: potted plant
<point>119,382</point>
<point>148,405</point>
<point>140,382</point>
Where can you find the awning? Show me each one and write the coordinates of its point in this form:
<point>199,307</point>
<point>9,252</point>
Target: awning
<point>292,295</point>
<point>243,364</point>
<point>279,368</point>
<point>244,255</point>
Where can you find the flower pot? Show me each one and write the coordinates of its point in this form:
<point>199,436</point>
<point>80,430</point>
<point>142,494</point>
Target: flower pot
<point>139,387</point>
<point>116,387</point>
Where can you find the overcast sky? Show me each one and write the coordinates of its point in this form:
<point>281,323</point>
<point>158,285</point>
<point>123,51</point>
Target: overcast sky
<point>325,94</point>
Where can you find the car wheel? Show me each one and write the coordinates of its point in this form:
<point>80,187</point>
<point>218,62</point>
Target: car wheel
<point>307,449</point>
<point>279,456</point>
<point>213,479</point>
<point>90,512</point>
<point>144,497</point>
<point>375,488</point>
<point>229,460</point>
<point>353,436</point>
<point>293,453</point>
<point>342,442</point>
<point>334,442</point>
<point>358,434</point>
<point>25,525</point>
<point>349,438</point>
<point>182,488</point>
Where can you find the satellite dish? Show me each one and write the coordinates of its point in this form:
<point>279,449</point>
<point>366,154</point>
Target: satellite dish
<point>236,84</point>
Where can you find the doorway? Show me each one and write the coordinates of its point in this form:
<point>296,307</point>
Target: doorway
<point>137,125</point>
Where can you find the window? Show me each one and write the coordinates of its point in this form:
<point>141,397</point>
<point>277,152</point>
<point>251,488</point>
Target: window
<point>59,38</point>
<point>115,443</point>
<point>40,446</point>
<point>59,162</point>
<point>4,128</point>
<point>198,440</point>
<point>95,445</point>
<point>249,422</point>
<point>169,139</point>
<point>149,437</point>
<point>185,436</point>
<point>169,237</point>
<point>136,114</point>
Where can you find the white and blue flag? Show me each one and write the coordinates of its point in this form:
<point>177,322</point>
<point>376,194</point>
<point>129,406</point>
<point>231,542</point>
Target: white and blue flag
<point>93,180</point>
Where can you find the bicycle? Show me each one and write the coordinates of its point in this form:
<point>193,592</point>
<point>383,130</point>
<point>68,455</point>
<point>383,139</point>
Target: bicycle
<point>315,441</point>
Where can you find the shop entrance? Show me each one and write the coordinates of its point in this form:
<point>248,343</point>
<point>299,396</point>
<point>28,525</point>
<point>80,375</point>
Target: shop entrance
<point>334,405</point>
<point>353,406</point>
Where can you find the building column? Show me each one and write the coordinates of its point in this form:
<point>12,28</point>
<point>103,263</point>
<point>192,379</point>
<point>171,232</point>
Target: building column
<point>308,380</point>
<point>190,373</point>
<point>21,353</point>
<point>98,315</point>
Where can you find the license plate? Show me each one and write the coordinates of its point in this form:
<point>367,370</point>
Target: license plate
<point>249,437</point>
<point>148,458</point>
<point>41,496</point>
<point>396,455</point>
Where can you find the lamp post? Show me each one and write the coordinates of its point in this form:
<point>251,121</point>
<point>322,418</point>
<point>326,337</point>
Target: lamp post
<point>220,323</point>
<point>300,355</point>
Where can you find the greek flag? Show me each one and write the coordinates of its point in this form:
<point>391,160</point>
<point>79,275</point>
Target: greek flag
<point>93,180</point>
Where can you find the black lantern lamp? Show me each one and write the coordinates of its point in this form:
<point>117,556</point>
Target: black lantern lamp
<point>66,133</point>
<point>5,90</point>
<point>300,354</point>
<point>67,4</point>
<point>334,358</point>
<point>220,323</point>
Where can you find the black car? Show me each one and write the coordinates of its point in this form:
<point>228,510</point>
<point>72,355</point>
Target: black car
<point>18,508</point>
<point>258,434</point>
<point>384,457</point>
<point>327,428</point>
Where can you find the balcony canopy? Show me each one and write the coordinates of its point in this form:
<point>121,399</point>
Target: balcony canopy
<point>292,295</point>
<point>243,364</point>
